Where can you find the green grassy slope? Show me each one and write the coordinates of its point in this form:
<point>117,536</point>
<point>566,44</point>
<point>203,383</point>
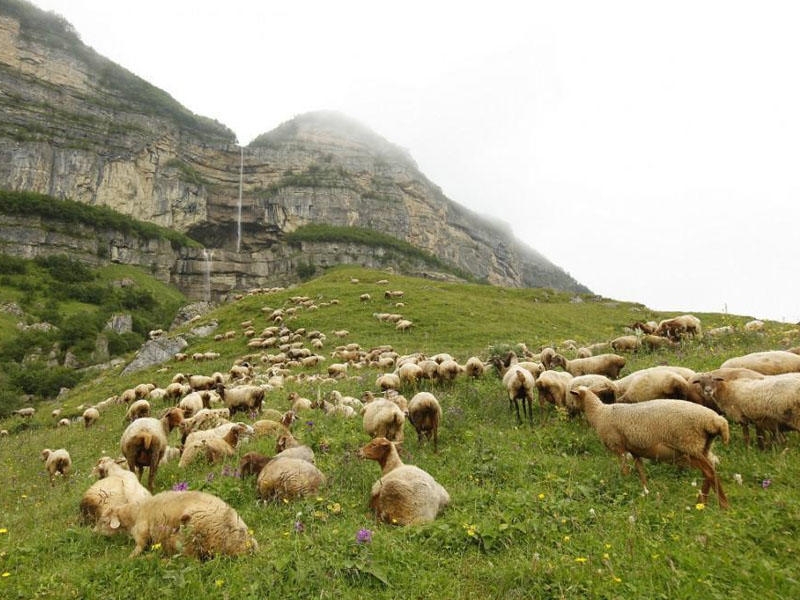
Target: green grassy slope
<point>537,511</point>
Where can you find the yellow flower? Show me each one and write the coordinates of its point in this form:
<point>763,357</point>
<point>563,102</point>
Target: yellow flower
<point>617,579</point>
<point>3,530</point>
<point>608,546</point>
<point>606,556</point>
<point>219,582</point>
<point>155,546</point>
<point>581,559</point>
<point>6,574</point>
<point>541,496</point>
<point>335,508</point>
<point>566,538</point>
<point>286,501</point>
<point>699,506</point>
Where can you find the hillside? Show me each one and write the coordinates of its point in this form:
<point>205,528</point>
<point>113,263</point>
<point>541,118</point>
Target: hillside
<point>537,511</point>
<point>75,125</point>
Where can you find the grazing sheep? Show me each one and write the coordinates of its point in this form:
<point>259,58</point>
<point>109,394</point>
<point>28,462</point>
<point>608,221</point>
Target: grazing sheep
<point>26,412</point>
<point>288,478</point>
<point>664,430</point>
<point>603,364</point>
<point>90,416</point>
<point>242,430</point>
<point>552,387</point>
<point>425,413</point>
<point>137,410</point>
<point>675,327</point>
<point>770,403</point>
<point>405,494</point>
<point>717,331</point>
<point>474,367</point>
<point>649,384</point>
<point>626,343</point>
<point>365,297</point>
<point>448,370</point>
<point>383,418</point>
<point>656,342</point>
<point>245,398</point>
<point>214,444</point>
<point>194,402</point>
<point>337,369</point>
<point>754,325</point>
<point>56,462</point>
<point>63,422</point>
<point>251,463</point>
<point>403,325</point>
<point>388,381</point>
<point>144,442</point>
<point>192,523</point>
<point>770,362</point>
<point>299,403</point>
<point>115,486</point>
<point>600,385</point>
<point>519,384</point>
<point>206,418</point>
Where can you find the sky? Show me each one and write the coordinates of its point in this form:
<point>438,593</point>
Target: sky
<point>649,149</point>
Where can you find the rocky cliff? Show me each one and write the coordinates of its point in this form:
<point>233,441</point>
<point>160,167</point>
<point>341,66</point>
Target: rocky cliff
<point>75,125</point>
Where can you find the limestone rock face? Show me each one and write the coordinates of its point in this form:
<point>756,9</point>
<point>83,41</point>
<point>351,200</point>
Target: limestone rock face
<point>75,125</point>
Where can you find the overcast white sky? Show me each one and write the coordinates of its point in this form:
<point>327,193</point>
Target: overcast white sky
<point>650,149</point>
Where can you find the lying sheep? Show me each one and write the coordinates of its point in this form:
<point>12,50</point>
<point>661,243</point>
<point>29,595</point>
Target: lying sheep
<point>56,462</point>
<point>115,486</point>
<point>769,403</point>
<point>405,494</point>
<point>206,418</point>
<point>663,430</point>
<point>425,414</point>
<point>602,364</point>
<point>251,463</point>
<point>519,384</point>
<point>144,442</point>
<point>288,478</point>
<point>770,362</point>
<point>213,444</point>
<point>383,418</point>
<point>652,383</point>
<point>192,523</point>
<point>289,446</point>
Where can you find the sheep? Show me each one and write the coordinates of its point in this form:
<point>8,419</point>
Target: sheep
<point>56,462</point>
<point>388,381</point>
<point>143,389</point>
<point>299,403</point>
<point>115,486</point>
<point>474,367</point>
<point>26,412</point>
<point>213,444</point>
<point>603,364</point>
<point>192,523</point>
<point>656,342</point>
<point>404,494</point>
<point>718,331</point>
<point>770,362</point>
<point>675,327</point>
<point>383,418</point>
<point>403,325</point>
<point>137,410</point>
<point>288,478</point>
<point>90,416</point>
<point>206,418</point>
<point>649,384</point>
<point>144,442</point>
<point>552,387</point>
<point>222,431</point>
<point>64,422</point>
<point>288,446</point>
<point>337,369</point>
<point>519,384</point>
<point>251,463</point>
<point>664,430</point>
<point>365,297</point>
<point>626,343</point>
<point>448,370</point>
<point>754,325</point>
<point>425,413</point>
<point>245,398</point>
<point>770,403</point>
<point>194,402</point>
<point>600,385</point>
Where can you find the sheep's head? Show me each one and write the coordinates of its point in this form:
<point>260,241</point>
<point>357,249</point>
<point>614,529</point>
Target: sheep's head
<point>172,417</point>
<point>377,449</point>
<point>46,453</point>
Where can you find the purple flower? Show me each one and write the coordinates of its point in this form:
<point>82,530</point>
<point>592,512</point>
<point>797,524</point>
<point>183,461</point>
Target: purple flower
<point>766,483</point>
<point>299,527</point>
<point>210,477</point>
<point>309,423</point>
<point>364,536</point>
<point>181,486</point>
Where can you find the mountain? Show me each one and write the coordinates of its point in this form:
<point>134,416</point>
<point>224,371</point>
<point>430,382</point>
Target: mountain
<point>76,125</point>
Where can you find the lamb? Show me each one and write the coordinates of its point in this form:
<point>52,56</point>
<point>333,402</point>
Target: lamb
<point>425,413</point>
<point>144,442</point>
<point>137,410</point>
<point>115,486</point>
<point>664,430</point>
<point>192,523</point>
<point>404,494</point>
<point>56,462</point>
<point>90,416</point>
<point>771,362</point>
<point>770,403</point>
<point>383,418</point>
<point>288,478</point>
<point>245,398</point>
<point>519,384</point>
<point>603,364</point>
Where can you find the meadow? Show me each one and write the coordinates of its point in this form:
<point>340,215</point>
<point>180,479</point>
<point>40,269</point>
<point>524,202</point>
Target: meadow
<point>537,510</point>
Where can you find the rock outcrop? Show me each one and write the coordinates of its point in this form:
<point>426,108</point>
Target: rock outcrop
<point>75,125</point>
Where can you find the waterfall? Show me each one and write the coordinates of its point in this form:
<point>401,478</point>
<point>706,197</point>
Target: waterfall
<point>239,205</point>
<point>209,257</point>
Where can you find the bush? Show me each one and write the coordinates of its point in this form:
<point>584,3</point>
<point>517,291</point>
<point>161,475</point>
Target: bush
<point>42,380</point>
<point>63,268</point>
<point>11,265</point>
<point>306,270</point>
<point>122,343</point>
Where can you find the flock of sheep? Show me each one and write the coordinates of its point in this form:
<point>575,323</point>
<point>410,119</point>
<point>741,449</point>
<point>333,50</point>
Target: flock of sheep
<point>666,413</point>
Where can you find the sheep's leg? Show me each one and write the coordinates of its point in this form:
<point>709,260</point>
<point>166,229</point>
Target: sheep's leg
<point>516,405</point>
<point>637,461</point>
<point>746,434</point>
<point>710,478</point>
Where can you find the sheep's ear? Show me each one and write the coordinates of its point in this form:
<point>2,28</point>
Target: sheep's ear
<point>185,518</point>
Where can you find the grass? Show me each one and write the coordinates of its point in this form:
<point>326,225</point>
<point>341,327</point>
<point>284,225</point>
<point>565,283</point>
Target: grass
<point>537,511</point>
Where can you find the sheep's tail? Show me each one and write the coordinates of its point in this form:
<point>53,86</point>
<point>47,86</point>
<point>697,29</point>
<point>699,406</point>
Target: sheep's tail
<point>723,430</point>
<point>146,439</point>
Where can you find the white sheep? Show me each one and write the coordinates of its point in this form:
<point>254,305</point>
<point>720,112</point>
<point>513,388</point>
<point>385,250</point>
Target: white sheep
<point>144,442</point>
<point>552,387</point>
<point>213,444</point>
<point>288,478</point>
<point>403,325</point>
<point>769,403</point>
<point>26,412</point>
<point>425,414</point>
<point>626,343</point>
<point>652,383</point>
<point>245,398</point>
<point>448,370</point>
<point>603,387</point>
<point>64,422</point>
<point>56,462</point>
<point>115,486</point>
<point>474,367</point>
<point>388,381</point>
<point>137,410</point>
<point>404,494</point>
<point>602,364</point>
<point>409,373</point>
<point>192,523</point>
<point>664,430</point>
<point>90,416</point>
<point>383,418</point>
<point>770,362</point>
<point>519,384</point>
<point>289,446</point>
<point>754,325</point>
<point>675,327</point>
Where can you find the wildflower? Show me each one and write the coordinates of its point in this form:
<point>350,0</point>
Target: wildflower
<point>541,496</point>
<point>3,530</point>
<point>299,527</point>
<point>181,486</point>
<point>566,538</point>
<point>210,477</point>
<point>700,506</point>
<point>766,483</point>
<point>581,559</point>
<point>737,477</point>
<point>156,546</point>
<point>631,519</point>
<point>592,513</point>
<point>617,579</point>
<point>6,574</point>
<point>309,423</point>
<point>606,556</point>
<point>335,508</point>
<point>219,582</point>
<point>364,536</point>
